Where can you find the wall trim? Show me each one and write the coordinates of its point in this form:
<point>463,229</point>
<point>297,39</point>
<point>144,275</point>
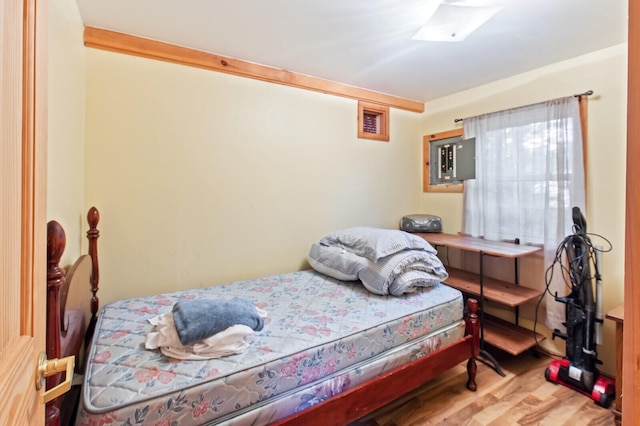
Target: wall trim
<point>132,45</point>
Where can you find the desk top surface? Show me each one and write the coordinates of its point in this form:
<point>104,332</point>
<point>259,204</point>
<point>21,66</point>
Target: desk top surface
<point>617,313</point>
<point>494,248</point>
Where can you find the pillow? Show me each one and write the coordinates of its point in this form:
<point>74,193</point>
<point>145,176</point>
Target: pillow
<point>375,243</point>
<point>336,262</point>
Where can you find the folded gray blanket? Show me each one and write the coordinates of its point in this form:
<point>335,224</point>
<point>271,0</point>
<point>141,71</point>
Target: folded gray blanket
<point>403,272</point>
<point>201,318</point>
<point>386,261</point>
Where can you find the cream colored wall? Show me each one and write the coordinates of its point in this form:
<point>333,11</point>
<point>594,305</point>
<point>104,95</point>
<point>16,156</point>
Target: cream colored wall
<point>604,72</point>
<point>65,166</point>
<point>66,124</point>
<point>203,177</point>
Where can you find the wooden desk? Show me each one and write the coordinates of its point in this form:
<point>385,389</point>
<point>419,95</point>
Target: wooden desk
<point>617,315</point>
<point>509,337</point>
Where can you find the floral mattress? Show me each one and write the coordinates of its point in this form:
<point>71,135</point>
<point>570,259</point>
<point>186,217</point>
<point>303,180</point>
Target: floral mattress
<point>321,337</point>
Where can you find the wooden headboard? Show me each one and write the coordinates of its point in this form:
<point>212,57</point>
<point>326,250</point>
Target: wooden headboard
<point>66,331</point>
<point>93,217</point>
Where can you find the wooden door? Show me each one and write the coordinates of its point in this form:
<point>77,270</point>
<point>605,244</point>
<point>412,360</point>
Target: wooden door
<point>22,216</point>
<point>631,356</point>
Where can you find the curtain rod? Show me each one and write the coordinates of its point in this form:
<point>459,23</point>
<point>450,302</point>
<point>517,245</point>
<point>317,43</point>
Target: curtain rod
<point>578,95</point>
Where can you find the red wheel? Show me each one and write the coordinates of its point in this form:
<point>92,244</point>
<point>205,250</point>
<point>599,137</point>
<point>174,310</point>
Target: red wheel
<point>604,400</point>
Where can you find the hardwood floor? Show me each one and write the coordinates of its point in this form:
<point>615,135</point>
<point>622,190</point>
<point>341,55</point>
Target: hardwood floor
<point>523,397</point>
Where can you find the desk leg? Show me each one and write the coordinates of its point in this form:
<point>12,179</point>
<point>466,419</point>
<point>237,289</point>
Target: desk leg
<point>618,401</point>
<point>483,351</point>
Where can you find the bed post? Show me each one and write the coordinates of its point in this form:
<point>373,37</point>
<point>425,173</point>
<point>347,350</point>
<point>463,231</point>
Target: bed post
<point>472,328</point>
<point>56,241</point>
<point>93,217</point>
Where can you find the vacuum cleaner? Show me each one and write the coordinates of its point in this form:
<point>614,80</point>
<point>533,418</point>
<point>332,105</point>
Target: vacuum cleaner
<point>583,322</point>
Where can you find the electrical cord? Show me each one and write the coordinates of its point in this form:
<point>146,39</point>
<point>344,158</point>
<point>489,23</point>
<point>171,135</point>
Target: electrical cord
<point>567,276</point>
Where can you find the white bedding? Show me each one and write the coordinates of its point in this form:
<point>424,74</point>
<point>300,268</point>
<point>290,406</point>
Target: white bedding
<point>387,262</point>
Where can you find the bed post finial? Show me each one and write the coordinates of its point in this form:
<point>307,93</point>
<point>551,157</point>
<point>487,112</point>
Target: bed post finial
<point>93,217</point>
<point>56,241</point>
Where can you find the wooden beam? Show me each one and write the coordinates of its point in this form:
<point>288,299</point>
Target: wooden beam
<point>152,49</point>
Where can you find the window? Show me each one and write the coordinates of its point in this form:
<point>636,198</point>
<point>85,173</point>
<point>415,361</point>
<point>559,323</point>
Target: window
<point>530,172</point>
<point>529,176</point>
<point>373,121</point>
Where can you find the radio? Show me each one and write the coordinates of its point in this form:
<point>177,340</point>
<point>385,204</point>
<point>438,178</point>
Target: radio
<point>421,223</point>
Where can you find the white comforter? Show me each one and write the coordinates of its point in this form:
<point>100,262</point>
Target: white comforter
<point>385,261</point>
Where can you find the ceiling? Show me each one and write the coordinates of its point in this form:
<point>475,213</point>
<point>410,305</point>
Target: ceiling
<point>368,43</point>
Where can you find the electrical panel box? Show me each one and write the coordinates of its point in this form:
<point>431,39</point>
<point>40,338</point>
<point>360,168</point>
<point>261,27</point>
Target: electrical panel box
<point>452,160</point>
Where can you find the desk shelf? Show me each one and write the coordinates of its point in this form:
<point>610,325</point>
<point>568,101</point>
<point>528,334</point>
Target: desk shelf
<point>502,292</point>
<point>508,336</point>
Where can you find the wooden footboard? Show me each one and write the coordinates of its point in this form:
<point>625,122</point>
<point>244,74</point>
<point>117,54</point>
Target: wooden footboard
<point>361,400</point>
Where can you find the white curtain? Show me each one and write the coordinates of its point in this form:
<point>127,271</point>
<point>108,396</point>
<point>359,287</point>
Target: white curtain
<point>529,175</point>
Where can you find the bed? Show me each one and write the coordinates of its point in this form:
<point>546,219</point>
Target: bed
<point>330,352</point>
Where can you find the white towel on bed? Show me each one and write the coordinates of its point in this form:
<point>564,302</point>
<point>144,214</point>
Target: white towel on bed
<point>230,341</point>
